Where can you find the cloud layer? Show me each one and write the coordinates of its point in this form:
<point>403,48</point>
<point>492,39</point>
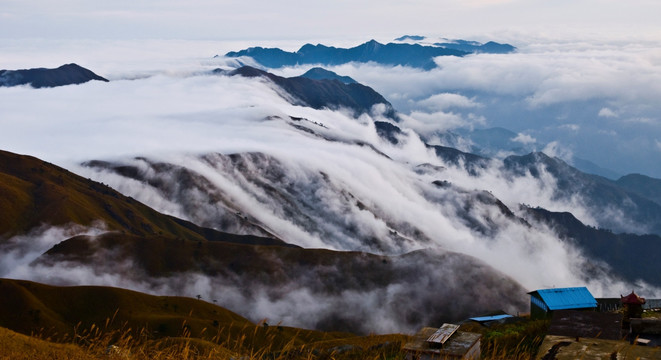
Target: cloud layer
<point>598,99</point>
<point>327,180</point>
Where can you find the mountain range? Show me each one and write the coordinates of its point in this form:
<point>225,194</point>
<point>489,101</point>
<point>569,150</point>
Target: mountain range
<point>469,46</point>
<point>327,219</point>
<point>403,54</point>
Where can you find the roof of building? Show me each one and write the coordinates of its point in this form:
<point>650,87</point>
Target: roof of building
<point>443,333</point>
<point>490,318</point>
<point>632,299</point>
<point>460,343</point>
<point>419,340</point>
<point>457,345</point>
<point>566,298</point>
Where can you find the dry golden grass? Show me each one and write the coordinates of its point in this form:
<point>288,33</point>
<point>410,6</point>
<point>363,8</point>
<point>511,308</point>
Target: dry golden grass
<point>99,343</point>
<point>89,322</point>
<point>94,343</point>
<point>17,346</point>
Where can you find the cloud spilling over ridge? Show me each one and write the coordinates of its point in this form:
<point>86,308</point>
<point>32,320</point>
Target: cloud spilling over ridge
<point>338,168</point>
<point>18,252</point>
<point>344,210</point>
<point>563,91</point>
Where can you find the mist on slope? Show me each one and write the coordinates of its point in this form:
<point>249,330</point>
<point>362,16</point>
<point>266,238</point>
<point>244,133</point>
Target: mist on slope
<point>388,294</point>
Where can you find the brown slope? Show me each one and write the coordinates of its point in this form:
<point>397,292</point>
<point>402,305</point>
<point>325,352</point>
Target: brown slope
<point>59,312</point>
<point>17,346</point>
<point>35,193</point>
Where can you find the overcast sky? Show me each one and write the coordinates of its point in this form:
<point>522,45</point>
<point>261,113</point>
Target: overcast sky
<point>299,19</point>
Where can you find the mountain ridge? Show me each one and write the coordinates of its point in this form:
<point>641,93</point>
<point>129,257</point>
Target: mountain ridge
<point>413,55</point>
<point>321,93</point>
<point>490,47</point>
<point>318,73</point>
<point>632,256</point>
<point>69,74</point>
<point>36,194</point>
<point>599,194</point>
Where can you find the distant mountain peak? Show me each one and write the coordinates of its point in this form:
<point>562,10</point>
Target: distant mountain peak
<point>68,74</point>
<point>328,91</point>
<point>318,73</point>
<point>410,37</point>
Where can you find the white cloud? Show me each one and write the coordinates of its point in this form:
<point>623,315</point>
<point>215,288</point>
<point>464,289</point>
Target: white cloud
<point>524,139</point>
<point>427,124</point>
<point>606,112</point>
<point>445,101</point>
<point>555,149</point>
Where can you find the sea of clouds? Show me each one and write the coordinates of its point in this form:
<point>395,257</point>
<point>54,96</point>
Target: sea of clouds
<point>166,106</point>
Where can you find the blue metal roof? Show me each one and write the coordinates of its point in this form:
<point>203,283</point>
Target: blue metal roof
<point>490,318</point>
<point>567,298</point>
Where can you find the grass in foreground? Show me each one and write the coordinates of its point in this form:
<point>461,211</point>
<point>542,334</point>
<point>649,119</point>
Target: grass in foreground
<point>96,343</point>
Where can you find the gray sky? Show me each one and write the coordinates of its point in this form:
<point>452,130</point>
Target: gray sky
<point>298,19</point>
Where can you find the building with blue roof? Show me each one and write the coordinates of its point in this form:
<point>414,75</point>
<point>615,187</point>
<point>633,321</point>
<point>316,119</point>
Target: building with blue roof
<point>484,319</point>
<point>543,302</point>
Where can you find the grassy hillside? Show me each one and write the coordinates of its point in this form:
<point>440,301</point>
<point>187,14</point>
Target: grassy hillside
<point>35,193</point>
<point>98,318</point>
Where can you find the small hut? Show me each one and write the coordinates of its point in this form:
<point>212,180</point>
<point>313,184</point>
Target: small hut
<point>445,343</point>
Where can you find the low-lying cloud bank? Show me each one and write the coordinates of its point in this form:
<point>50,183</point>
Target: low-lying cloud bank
<point>585,96</point>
